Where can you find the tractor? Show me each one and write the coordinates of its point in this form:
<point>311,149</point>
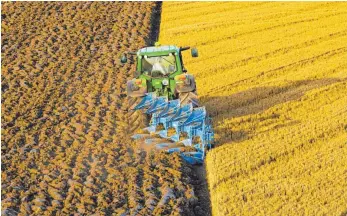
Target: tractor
<point>163,98</point>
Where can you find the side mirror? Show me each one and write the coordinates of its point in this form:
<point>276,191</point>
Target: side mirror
<point>194,52</point>
<point>123,59</point>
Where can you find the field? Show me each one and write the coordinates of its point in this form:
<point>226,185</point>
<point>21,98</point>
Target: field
<point>274,78</point>
<point>65,126</point>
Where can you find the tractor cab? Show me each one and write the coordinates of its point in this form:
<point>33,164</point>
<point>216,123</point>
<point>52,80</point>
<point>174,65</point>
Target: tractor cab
<point>159,62</point>
<point>159,69</point>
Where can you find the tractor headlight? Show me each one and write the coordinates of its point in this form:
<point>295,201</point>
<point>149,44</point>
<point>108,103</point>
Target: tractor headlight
<point>165,82</point>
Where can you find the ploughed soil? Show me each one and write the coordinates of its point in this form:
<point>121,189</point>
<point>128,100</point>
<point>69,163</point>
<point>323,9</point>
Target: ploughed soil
<point>65,140</point>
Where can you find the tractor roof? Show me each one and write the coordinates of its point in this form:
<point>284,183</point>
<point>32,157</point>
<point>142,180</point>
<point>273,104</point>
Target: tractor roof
<point>158,50</point>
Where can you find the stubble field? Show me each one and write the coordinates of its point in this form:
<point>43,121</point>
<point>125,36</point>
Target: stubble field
<point>273,77</point>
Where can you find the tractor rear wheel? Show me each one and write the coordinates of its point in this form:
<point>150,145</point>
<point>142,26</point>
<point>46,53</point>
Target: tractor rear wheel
<point>137,118</point>
<point>189,97</point>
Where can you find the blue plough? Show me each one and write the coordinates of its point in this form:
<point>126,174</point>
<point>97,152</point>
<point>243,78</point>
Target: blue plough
<point>190,124</point>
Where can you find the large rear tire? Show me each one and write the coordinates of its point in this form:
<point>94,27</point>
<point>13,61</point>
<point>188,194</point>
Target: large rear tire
<point>137,118</point>
<point>189,97</point>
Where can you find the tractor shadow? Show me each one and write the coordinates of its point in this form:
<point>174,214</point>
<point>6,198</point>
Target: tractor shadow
<point>255,101</point>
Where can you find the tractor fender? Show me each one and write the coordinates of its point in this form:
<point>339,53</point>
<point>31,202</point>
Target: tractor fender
<point>134,90</point>
<point>186,86</point>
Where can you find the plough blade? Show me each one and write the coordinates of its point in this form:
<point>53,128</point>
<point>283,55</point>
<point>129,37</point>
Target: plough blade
<point>193,157</point>
<point>182,114</point>
<point>175,137</point>
<point>170,110</point>
<point>147,101</point>
<point>158,105</point>
<point>190,157</point>
<point>187,142</point>
<point>172,150</point>
<point>167,146</point>
<point>196,118</point>
<point>163,133</point>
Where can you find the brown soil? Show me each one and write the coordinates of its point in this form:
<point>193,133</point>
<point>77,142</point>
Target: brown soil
<point>65,130</point>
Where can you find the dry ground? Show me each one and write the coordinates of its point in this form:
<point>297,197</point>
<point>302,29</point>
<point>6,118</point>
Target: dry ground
<point>65,129</point>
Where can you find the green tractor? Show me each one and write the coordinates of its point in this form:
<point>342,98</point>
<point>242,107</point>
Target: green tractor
<point>160,69</point>
<point>162,92</point>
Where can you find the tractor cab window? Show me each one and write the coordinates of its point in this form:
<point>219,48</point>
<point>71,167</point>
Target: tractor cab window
<point>159,66</point>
